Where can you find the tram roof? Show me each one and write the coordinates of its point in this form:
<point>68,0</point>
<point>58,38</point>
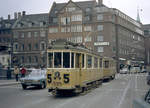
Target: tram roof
<point>62,44</point>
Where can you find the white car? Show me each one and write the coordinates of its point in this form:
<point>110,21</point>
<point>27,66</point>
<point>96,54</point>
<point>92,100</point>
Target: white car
<point>37,77</point>
<point>124,71</point>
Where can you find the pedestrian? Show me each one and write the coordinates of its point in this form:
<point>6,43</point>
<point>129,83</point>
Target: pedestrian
<point>23,72</point>
<point>16,72</point>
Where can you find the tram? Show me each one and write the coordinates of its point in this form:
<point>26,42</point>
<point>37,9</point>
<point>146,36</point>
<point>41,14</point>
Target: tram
<point>74,68</point>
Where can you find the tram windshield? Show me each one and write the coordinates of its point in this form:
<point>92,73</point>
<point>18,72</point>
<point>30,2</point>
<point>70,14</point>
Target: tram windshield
<point>60,60</point>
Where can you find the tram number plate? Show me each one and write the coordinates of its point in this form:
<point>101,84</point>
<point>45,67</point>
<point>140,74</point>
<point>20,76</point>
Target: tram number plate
<point>57,83</point>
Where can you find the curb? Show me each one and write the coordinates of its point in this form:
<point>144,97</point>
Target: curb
<point>8,84</point>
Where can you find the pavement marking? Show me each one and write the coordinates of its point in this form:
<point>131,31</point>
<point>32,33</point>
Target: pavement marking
<point>124,94</point>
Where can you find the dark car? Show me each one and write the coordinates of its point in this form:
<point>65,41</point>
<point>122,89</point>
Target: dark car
<point>37,77</point>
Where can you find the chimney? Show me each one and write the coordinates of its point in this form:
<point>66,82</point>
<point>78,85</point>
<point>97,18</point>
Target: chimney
<point>100,2</point>
<point>8,17</point>
<point>23,13</point>
<point>15,15</point>
<point>19,14</point>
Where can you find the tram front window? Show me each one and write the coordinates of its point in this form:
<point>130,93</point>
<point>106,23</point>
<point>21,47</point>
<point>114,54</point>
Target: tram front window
<point>50,59</point>
<point>57,60</point>
<point>66,60</point>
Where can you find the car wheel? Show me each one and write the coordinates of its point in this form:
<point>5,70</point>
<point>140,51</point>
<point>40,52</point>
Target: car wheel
<point>43,85</point>
<point>24,86</point>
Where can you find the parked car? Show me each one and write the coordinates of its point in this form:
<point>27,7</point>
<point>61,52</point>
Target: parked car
<point>148,78</point>
<point>135,69</point>
<point>124,71</point>
<point>37,77</point>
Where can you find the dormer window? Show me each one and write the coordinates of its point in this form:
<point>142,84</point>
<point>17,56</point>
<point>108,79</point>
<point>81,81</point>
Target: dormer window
<point>70,9</point>
<point>7,25</point>
<point>41,23</point>
<point>19,25</point>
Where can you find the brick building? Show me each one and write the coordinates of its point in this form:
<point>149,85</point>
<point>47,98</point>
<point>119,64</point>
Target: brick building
<point>30,40</point>
<point>107,31</point>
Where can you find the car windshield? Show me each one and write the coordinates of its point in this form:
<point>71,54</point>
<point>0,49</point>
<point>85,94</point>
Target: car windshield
<point>37,72</point>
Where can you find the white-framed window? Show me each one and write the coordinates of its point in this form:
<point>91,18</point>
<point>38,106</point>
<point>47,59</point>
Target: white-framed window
<point>35,34</point>
<point>15,34</point>
<point>100,27</point>
<point>29,34</point>
<point>53,30</point>
<point>22,35</point>
<point>76,18</point>
<point>7,25</point>
<point>100,49</point>
<point>70,9</point>
<point>88,39</point>
<point>79,39</point>
<point>76,28</point>
<point>65,20</point>
<point>100,38</point>
<point>88,9</point>
<point>65,29</point>
<point>41,24</point>
<point>55,20</point>
<point>100,17</point>
<point>42,33</point>
<point>87,28</point>
<point>87,18</point>
<point>30,24</point>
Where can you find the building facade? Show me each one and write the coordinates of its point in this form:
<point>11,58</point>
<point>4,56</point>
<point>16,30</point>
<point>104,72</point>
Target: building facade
<point>146,29</point>
<point>30,40</point>
<point>107,31</point>
<point>6,40</point>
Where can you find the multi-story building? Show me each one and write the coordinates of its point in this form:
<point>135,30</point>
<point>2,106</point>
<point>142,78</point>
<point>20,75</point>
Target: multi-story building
<point>30,40</point>
<point>146,29</point>
<point>6,40</point>
<point>107,31</point>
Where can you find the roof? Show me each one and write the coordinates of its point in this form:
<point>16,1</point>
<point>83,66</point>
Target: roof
<point>7,21</point>
<point>35,19</point>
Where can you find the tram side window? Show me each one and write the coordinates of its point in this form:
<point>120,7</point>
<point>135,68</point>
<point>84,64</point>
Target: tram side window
<point>82,60</point>
<point>77,60</point>
<point>72,60</point>
<point>50,59</point>
<point>89,61</point>
<point>100,62</point>
<point>95,62</point>
<point>66,60</point>
<point>57,59</point>
<point>106,64</point>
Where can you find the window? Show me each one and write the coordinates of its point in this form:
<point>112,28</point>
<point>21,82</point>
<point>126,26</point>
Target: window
<point>66,60</point>
<point>36,46</point>
<point>87,28</point>
<point>100,38</point>
<point>35,34</point>
<point>72,60</point>
<point>100,27</point>
<point>41,24</point>
<point>29,47</point>
<point>106,64</point>
<point>29,34</point>
<point>99,17</point>
<point>95,62</point>
<point>22,47</point>
<point>16,46</point>
<point>43,46</point>
<point>22,35</point>
<point>76,28</point>
<point>100,49</point>
<point>77,64</point>
<point>82,60</point>
<point>76,18</point>
<point>36,59</point>
<point>53,30</point>
<point>55,20</point>
<point>70,9</point>
<point>100,62</point>
<point>89,61</point>
<point>50,60</point>
<point>30,24</point>
<point>57,60</point>
<point>88,39</point>
<point>42,33</point>
<point>65,20</point>
<point>15,35</point>
<point>146,32</point>
<point>29,59</point>
<point>88,10</point>
<point>22,59</point>
<point>87,18</point>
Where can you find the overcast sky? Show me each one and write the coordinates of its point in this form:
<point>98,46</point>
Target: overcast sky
<point>129,7</point>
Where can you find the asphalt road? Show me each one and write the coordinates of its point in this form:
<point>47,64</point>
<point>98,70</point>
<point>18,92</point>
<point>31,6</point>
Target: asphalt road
<point>118,93</point>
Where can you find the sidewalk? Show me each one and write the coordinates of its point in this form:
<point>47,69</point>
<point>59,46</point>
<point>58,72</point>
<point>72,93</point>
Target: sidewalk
<point>8,82</point>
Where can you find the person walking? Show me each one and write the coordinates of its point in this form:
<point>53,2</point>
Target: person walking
<point>23,72</point>
<point>16,72</point>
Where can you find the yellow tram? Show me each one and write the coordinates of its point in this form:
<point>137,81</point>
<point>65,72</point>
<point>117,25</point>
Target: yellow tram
<point>74,68</point>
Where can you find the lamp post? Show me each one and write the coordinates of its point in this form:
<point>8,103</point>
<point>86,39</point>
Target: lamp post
<point>9,63</point>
